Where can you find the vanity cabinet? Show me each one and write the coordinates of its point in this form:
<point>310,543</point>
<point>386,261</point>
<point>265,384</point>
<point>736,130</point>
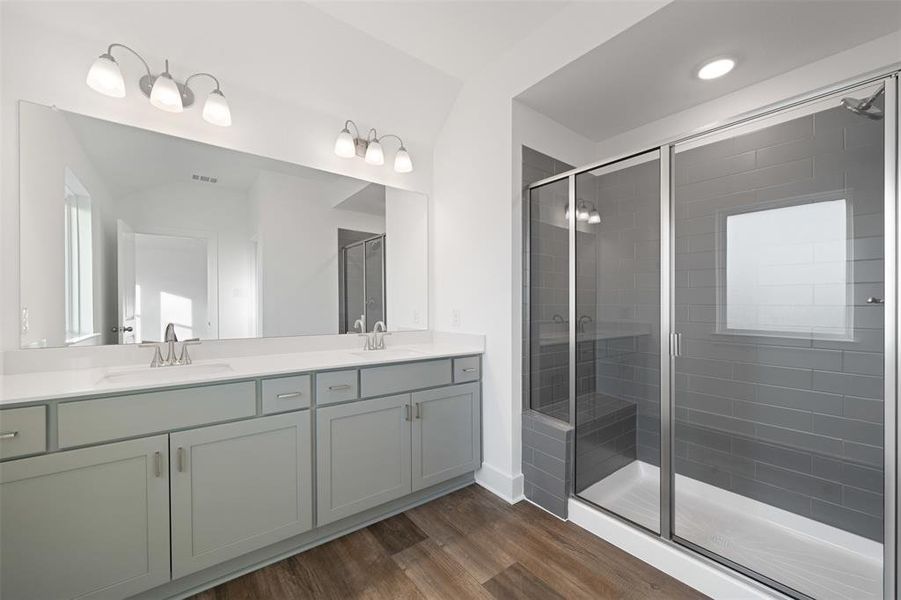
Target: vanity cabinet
<point>363,455</point>
<point>90,523</point>
<point>238,487</point>
<point>373,451</point>
<point>446,434</point>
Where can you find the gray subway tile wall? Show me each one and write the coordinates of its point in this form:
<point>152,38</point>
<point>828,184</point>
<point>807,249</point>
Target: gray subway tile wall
<point>796,422</point>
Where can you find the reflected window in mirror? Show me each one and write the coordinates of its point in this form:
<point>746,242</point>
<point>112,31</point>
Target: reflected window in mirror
<point>78,243</point>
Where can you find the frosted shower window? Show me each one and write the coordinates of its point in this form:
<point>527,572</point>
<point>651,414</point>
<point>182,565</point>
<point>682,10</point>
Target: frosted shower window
<point>787,271</point>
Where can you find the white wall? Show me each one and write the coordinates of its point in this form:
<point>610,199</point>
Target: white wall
<point>406,259</point>
<point>48,150</point>
<point>851,63</point>
<point>54,73</point>
<point>475,233</point>
<point>298,241</point>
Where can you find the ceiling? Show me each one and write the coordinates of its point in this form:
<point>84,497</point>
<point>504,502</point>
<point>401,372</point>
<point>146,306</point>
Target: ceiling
<point>456,37</point>
<point>647,72</point>
<point>131,159</point>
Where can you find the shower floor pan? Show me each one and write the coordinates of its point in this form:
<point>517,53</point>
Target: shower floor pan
<point>814,558</point>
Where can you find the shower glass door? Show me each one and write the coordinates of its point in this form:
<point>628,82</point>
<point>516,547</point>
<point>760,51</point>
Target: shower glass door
<point>617,420</point>
<point>778,289</point>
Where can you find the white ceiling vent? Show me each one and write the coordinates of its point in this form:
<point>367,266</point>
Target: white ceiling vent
<point>204,178</point>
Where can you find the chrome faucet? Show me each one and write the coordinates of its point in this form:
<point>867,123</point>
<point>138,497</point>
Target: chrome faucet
<point>170,338</point>
<point>375,340</point>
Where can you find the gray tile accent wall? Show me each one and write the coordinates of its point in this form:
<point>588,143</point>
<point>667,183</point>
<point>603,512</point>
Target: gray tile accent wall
<point>794,422</point>
<point>546,456</point>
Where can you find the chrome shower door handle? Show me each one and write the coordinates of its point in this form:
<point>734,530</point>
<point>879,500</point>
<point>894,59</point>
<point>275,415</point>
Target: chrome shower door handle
<point>875,300</point>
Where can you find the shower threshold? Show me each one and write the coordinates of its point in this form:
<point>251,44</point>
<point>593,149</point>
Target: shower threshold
<point>816,559</point>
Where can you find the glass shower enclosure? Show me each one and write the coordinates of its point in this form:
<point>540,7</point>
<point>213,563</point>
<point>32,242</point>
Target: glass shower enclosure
<point>362,285</point>
<point>715,318</point>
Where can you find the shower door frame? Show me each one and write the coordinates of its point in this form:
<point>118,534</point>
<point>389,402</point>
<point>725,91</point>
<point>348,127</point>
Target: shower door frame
<point>669,342</point>
<point>348,327</point>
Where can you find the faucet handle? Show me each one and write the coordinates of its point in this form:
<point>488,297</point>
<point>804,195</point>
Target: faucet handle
<point>184,358</point>
<point>157,355</point>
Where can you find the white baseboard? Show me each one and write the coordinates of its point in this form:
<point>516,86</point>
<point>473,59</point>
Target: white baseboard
<point>693,571</point>
<point>504,485</point>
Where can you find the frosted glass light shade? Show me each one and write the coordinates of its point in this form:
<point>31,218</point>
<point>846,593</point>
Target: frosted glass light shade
<point>106,78</point>
<point>374,153</point>
<point>402,162</point>
<point>215,110</point>
<point>594,217</point>
<point>165,95</point>
<point>582,213</point>
<point>344,145</point>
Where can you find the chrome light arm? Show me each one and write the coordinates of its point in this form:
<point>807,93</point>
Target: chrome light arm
<point>109,52</point>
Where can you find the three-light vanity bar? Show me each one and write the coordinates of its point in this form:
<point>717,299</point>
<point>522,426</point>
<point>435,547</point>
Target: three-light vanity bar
<point>165,92</point>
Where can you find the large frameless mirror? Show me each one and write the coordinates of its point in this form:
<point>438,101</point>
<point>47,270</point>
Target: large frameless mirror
<point>124,231</point>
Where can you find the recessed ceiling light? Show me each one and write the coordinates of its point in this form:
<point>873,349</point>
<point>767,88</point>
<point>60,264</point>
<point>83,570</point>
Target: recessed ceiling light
<point>716,68</point>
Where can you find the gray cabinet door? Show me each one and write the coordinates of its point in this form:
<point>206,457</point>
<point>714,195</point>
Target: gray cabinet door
<point>91,523</point>
<point>363,455</point>
<point>446,434</point>
<point>238,487</point>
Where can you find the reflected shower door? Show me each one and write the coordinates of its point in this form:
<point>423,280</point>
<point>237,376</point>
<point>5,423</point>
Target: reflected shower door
<point>353,287</point>
<point>617,442</point>
<point>375,282</point>
<point>778,286</point>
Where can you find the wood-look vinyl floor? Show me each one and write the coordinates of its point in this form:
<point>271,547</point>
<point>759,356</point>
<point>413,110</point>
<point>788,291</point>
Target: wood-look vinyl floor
<point>469,544</point>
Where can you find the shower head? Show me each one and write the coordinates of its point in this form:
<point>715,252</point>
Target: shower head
<point>866,107</point>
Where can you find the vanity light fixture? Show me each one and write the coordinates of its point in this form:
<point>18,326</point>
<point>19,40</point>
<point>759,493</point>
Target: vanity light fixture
<point>715,68</point>
<point>164,91</point>
<point>348,145</point>
<point>584,213</point>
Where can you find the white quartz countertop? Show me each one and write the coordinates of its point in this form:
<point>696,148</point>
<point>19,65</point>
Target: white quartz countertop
<point>50,385</point>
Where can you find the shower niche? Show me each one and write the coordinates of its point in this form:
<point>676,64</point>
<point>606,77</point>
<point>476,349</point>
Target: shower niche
<point>724,329</point>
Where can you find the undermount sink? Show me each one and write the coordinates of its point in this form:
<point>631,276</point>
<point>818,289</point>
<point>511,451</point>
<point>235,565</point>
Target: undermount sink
<point>388,353</point>
<point>150,375</point>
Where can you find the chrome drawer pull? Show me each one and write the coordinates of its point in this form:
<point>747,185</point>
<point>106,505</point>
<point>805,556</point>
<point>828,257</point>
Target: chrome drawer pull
<point>406,412</point>
<point>8,435</point>
<point>157,464</point>
<point>338,388</point>
<point>469,369</point>
<point>417,415</point>
<point>289,395</point>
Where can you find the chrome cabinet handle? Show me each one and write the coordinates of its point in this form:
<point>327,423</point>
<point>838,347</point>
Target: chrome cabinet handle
<point>157,464</point>
<point>469,369</point>
<point>874,300</point>
<point>124,329</point>
<point>406,412</point>
<point>338,388</point>
<point>288,395</point>
<point>8,435</point>
<point>417,415</point>
<point>180,459</point>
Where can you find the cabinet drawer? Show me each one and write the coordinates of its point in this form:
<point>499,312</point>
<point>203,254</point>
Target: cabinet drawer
<point>23,431</point>
<point>286,393</point>
<point>336,386</point>
<point>466,369</point>
<point>378,381</point>
<point>91,421</point>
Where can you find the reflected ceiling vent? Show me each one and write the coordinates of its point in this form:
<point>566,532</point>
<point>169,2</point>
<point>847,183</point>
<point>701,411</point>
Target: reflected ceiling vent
<point>204,178</point>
